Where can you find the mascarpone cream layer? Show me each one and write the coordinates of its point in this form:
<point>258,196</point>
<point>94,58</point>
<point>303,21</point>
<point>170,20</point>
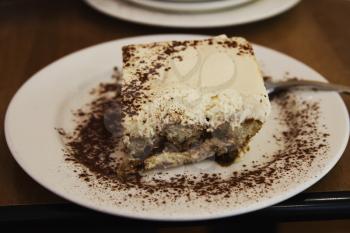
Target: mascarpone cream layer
<point>199,84</point>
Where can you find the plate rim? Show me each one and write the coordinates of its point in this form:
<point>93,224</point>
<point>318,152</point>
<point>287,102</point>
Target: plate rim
<point>214,24</point>
<point>274,200</point>
<point>207,6</point>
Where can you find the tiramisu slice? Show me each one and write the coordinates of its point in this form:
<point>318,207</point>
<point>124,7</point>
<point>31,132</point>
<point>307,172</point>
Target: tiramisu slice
<point>185,101</point>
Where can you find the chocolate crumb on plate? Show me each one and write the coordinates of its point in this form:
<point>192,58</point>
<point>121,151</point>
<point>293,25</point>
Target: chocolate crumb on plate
<point>94,143</point>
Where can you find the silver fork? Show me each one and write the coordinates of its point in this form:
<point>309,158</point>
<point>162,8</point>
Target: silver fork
<point>273,87</point>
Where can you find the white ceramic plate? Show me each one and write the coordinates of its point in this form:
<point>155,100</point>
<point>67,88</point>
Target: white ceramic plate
<point>190,6</point>
<point>46,100</point>
<point>189,0</point>
<point>255,11</point>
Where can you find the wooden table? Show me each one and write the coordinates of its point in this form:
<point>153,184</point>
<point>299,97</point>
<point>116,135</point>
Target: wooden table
<point>36,33</point>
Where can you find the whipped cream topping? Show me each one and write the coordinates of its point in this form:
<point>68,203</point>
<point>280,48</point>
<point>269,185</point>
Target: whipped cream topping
<point>201,83</point>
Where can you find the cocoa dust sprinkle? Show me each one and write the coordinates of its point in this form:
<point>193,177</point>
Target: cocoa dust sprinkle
<point>135,91</point>
<point>92,145</point>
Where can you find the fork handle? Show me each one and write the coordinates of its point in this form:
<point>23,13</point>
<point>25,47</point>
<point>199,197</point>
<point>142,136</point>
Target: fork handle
<point>315,85</point>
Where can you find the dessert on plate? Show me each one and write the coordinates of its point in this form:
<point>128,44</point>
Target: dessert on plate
<point>185,101</point>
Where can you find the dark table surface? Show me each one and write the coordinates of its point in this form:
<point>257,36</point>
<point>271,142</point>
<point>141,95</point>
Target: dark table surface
<point>34,33</point>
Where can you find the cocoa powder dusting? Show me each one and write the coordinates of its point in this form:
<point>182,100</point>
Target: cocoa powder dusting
<point>96,137</point>
<point>135,92</point>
